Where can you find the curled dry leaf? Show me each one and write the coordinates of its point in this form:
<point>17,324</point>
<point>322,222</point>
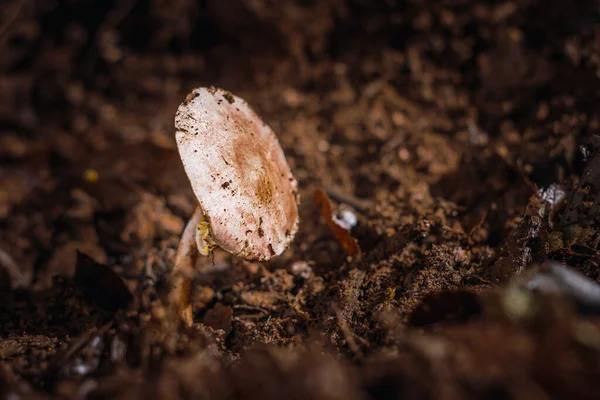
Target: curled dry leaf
<point>340,226</point>
<point>239,174</point>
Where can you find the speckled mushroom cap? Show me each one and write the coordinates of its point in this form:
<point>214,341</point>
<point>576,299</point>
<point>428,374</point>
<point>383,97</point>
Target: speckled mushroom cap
<point>238,173</point>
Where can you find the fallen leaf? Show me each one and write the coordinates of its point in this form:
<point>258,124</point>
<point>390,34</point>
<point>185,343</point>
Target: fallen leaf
<point>340,231</point>
<point>100,284</point>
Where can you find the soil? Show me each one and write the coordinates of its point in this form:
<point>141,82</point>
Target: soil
<point>450,129</point>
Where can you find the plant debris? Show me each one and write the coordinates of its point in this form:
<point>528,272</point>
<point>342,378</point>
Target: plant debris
<point>554,278</point>
<point>339,221</point>
<point>100,285</point>
<point>584,201</point>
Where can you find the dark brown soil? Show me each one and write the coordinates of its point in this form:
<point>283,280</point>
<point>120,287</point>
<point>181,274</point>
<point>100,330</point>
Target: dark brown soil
<point>437,122</point>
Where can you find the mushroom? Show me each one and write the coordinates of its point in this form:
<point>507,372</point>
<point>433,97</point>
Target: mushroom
<point>247,195</point>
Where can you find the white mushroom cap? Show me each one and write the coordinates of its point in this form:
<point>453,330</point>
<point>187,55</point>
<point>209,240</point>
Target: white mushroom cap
<point>238,173</point>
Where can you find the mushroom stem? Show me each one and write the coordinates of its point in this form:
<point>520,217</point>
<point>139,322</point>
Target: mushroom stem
<point>182,273</point>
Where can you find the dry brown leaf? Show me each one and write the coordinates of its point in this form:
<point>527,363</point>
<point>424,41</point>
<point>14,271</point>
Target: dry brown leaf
<point>342,234</point>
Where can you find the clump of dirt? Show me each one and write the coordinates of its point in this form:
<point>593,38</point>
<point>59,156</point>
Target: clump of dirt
<point>458,135</point>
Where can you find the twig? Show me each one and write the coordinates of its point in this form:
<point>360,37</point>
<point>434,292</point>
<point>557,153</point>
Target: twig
<point>341,197</point>
<point>348,334</point>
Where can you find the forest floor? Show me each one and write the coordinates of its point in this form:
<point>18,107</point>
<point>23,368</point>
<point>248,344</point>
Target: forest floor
<point>460,133</point>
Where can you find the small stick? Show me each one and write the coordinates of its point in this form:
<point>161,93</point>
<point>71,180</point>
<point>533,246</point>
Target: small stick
<point>341,197</point>
<point>185,261</point>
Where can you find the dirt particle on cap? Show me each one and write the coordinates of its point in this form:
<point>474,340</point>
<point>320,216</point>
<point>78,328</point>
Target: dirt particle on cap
<point>229,97</point>
<point>225,185</point>
<point>261,232</point>
<point>191,96</point>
